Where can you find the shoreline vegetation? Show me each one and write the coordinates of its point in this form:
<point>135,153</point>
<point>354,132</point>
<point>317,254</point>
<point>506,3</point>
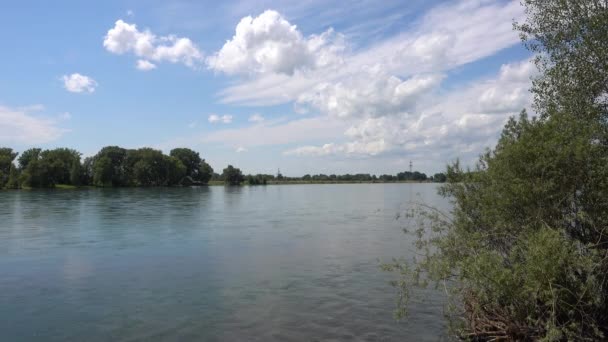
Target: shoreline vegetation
<point>113,166</point>
<point>523,253</point>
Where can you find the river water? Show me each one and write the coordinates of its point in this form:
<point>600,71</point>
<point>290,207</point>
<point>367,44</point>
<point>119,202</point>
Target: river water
<point>265,263</point>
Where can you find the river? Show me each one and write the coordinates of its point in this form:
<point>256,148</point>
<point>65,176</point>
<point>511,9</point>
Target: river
<point>265,263</point>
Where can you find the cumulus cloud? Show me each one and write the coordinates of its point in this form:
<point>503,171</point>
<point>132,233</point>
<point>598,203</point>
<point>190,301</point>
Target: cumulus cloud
<point>77,83</point>
<point>440,41</point>
<point>214,118</point>
<point>256,118</point>
<point>145,65</point>
<point>21,126</point>
<point>268,43</point>
<point>127,38</point>
<point>241,149</point>
<point>385,99</point>
<point>371,93</point>
<point>464,120</point>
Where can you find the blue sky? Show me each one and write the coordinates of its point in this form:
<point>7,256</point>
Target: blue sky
<point>307,86</point>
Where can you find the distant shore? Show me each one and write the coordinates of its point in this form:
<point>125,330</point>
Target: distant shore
<point>222,183</point>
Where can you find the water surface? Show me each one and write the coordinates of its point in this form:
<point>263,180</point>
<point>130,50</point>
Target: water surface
<point>266,263</point>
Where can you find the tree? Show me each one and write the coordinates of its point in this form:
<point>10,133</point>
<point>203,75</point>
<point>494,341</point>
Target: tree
<point>176,171</point>
<point>569,39</point>
<point>103,172</point>
<point>232,175</point>
<point>112,168</point>
<point>27,156</point>
<point>76,174</point>
<point>145,167</point>
<point>6,163</point>
<point>87,170</point>
<point>205,172</point>
<point>190,159</point>
<point>439,177</point>
<point>35,175</point>
<point>525,249</point>
<point>58,165</point>
<point>13,178</point>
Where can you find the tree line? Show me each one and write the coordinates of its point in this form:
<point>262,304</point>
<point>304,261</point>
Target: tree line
<point>114,166</point>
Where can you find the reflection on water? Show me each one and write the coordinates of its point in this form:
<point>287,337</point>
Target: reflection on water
<point>268,263</point>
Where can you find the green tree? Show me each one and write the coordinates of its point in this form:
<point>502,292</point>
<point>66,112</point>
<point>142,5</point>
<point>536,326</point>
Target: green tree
<point>190,159</point>
<point>34,172</point>
<point>524,253</point>
<point>232,175</point>
<point>13,178</point>
<point>176,171</point>
<point>112,168</point>
<point>569,39</point>
<point>103,172</point>
<point>27,156</point>
<point>6,162</point>
<point>205,172</point>
<point>146,167</point>
<point>440,177</point>
<point>58,164</point>
<point>76,174</point>
<point>35,175</point>
<point>87,171</point>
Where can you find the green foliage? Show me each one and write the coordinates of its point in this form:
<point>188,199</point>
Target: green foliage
<point>109,167</point>
<point>58,164</point>
<point>13,178</point>
<point>103,172</point>
<point>524,252</point>
<point>145,167</point>
<point>440,177</point>
<point>411,176</point>
<point>569,39</point>
<point>6,163</point>
<point>175,170</point>
<point>35,175</point>
<point>258,179</point>
<point>205,172</point>
<point>232,175</point>
<point>76,174</point>
<point>27,156</point>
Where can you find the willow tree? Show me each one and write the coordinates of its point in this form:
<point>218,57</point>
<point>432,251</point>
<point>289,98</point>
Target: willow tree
<point>524,252</point>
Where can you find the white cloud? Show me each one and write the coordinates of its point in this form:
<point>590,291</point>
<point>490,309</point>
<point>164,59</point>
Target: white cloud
<point>130,13</point>
<point>371,93</point>
<point>241,149</point>
<point>77,83</point>
<point>145,65</point>
<point>268,43</point>
<point>267,133</point>
<point>384,100</point>
<point>65,116</point>
<point>256,118</point>
<point>462,121</point>
<point>126,38</point>
<point>20,126</point>
<point>278,133</point>
<point>214,118</point>
<point>442,40</point>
